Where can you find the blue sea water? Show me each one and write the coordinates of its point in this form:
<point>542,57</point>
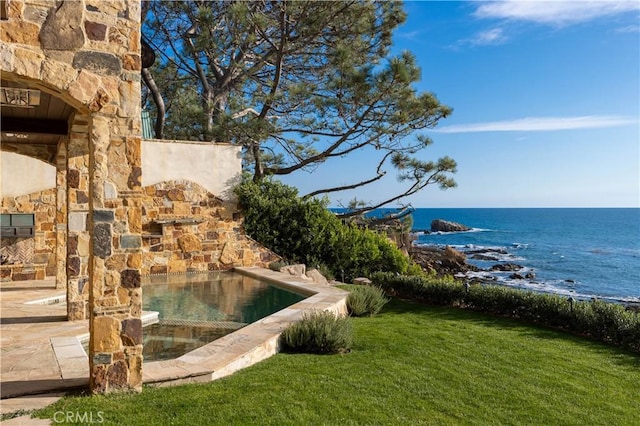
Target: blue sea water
<point>582,252</point>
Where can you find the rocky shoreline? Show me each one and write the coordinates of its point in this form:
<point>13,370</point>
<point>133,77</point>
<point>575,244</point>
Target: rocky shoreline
<point>441,261</point>
<point>447,261</point>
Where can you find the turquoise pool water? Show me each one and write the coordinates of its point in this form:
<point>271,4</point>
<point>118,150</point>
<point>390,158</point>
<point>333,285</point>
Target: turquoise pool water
<point>196,309</point>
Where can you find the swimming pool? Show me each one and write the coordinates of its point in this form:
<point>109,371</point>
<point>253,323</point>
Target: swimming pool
<point>198,308</point>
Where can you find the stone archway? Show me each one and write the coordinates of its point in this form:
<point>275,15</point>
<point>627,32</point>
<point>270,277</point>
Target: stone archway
<point>87,53</point>
<point>37,124</point>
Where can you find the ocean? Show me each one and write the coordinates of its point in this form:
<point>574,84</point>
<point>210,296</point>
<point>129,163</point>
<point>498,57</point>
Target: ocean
<point>578,252</point>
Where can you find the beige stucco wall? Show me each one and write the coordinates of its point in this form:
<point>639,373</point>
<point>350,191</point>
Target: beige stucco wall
<point>22,175</point>
<point>213,166</point>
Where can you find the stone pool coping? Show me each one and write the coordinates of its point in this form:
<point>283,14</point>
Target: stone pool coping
<point>251,344</point>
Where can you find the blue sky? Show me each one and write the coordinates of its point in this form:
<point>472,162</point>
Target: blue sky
<point>546,99</point>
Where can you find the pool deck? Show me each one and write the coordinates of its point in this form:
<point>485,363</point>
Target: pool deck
<point>41,354</point>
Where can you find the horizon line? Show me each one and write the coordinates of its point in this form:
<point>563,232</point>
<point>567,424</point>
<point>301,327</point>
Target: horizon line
<point>508,207</point>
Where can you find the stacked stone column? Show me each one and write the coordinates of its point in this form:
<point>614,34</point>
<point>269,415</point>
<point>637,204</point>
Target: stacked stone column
<point>61,216</point>
<point>78,236</point>
<point>115,294</point>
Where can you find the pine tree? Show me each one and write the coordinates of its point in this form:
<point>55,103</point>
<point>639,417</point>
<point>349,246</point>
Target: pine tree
<point>296,83</point>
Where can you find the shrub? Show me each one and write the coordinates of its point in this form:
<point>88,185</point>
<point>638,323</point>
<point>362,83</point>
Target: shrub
<point>365,300</point>
<point>415,269</point>
<point>438,291</point>
<point>318,332</point>
<point>443,292</point>
<point>305,231</point>
<point>613,323</point>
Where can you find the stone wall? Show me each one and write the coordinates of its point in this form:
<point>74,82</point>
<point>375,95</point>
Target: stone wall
<point>161,252</point>
<point>31,258</point>
<point>185,229</point>
<point>188,229</point>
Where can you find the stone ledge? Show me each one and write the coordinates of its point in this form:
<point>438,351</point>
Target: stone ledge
<point>178,220</point>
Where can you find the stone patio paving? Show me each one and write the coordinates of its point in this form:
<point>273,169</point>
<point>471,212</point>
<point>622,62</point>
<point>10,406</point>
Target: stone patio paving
<point>28,362</point>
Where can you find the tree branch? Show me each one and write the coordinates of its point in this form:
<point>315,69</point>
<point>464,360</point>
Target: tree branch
<point>345,187</point>
<point>417,186</point>
<point>379,175</point>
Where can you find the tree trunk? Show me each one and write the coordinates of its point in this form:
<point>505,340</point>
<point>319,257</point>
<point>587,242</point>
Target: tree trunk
<point>258,173</point>
<point>157,99</point>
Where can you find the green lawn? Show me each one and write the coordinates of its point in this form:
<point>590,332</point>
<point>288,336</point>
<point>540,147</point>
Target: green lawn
<point>412,364</point>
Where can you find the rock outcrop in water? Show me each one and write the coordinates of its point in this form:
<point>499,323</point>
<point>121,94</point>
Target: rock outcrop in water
<point>439,225</point>
<point>506,267</point>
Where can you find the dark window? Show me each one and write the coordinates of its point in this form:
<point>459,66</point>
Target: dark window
<point>3,10</point>
<point>17,225</point>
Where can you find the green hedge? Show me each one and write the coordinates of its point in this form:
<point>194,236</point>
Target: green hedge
<point>305,231</point>
<point>608,322</point>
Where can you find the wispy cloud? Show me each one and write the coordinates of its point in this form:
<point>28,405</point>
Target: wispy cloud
<point>491,36</point>
<point>541,124</point>
<point>629,29</point>
<point>557,13</point>
<point>410,35</point>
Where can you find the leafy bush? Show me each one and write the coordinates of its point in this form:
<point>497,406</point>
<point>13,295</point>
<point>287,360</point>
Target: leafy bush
<point>305,231</point>
<point>319,332</point>
<point>365,300</point>
<point>608,322</point>
<point>614,324</point>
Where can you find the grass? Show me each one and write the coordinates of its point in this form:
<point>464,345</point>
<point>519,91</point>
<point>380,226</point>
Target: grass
<point>411,364</point>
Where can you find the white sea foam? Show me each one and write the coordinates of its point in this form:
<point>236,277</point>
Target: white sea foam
<point>457,232</point>
<point>496,253</point>
<point>474,247</point>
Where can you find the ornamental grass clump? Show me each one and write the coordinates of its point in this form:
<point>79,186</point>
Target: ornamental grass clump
<point>365,300</point>
<point>319,332</point>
